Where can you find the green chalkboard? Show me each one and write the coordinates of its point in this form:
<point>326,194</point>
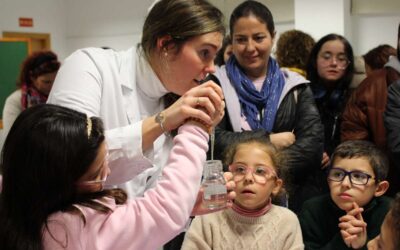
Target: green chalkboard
<point>12,54</point>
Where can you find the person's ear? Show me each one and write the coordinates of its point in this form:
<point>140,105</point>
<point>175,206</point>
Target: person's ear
<point>278,186</point>
<point>164,43</point>
<point>381,188</point>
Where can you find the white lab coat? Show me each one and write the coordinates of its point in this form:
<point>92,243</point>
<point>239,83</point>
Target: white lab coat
<point>122,89</point>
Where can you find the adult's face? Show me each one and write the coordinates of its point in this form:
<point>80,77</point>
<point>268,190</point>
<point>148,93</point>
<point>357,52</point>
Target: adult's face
<point>44,83</point>
<point>194,61</point>
<point>252,44</point>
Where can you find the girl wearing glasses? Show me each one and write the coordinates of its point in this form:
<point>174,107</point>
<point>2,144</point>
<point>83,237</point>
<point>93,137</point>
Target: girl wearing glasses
<point>330,70</point>
<point>253,222</point>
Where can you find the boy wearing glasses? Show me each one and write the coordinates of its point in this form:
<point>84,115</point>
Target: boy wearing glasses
<point>355,208</point>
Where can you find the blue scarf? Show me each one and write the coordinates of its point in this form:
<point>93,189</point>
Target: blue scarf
<point>251,100</point>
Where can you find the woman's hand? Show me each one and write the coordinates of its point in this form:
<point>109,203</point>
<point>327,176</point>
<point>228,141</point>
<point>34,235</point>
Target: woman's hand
<point>203,103</point>
<point>199,207</point>
<point>282,140</point>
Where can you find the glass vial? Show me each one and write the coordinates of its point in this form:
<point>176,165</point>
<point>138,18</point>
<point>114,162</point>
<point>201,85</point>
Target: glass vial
<point>215,193</point>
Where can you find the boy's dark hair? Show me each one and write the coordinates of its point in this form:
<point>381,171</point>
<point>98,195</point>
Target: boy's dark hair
<point>367,150</point>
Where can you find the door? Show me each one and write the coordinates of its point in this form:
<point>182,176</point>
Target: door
<point>12,54</point>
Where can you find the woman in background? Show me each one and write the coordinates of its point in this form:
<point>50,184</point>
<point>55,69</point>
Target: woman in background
<point>330,70</point>
<point>267,102</point>
<point>36,78</point>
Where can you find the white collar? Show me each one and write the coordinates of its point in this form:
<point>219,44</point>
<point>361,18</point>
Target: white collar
<point>146,79</point>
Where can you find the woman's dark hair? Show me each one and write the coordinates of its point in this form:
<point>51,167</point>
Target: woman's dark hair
<point>312,71</point>
<point>182,20</point>
<point>377,57</point>
<point>45,153</point>
<point>37,64</point>
<point>248,8</point>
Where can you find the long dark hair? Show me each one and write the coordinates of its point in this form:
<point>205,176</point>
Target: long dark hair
<point>312,70</point>
<point>46,151</point>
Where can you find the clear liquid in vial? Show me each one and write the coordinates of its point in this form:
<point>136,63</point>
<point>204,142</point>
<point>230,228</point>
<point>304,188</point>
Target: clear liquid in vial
<point>215,193</point>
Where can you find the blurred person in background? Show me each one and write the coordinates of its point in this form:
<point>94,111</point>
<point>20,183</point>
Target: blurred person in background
<point>36,79</point>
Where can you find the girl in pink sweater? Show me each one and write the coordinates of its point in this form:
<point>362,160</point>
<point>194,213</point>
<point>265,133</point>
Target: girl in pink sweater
<point>54,166</point>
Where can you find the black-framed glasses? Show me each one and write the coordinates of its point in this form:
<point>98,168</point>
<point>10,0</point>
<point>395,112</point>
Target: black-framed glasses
<point>356,177</point>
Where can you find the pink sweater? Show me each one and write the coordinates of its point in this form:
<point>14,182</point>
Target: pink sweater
<point>142,223</point>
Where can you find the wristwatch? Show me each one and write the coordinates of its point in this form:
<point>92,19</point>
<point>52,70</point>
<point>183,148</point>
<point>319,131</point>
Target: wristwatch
<point>160,119</point>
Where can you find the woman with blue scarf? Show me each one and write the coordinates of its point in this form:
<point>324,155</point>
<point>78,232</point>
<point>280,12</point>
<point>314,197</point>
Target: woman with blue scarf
<point>265,101</point>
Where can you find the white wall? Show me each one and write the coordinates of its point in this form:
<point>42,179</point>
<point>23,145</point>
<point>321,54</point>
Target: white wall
<point>48,17</point>
<point>75,24</point>
<point>116,24</point>
<point>373,30</point>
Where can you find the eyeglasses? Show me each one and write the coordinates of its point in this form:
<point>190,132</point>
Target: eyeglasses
<point>341,59</point>
<point>356,177</point>
<point>260,173</point>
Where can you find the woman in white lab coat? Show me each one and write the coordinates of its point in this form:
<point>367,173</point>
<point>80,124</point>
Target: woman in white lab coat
<point>127,89</point>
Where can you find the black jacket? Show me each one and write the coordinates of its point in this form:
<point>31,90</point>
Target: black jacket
<point>304,156</point>
<point>392,125</point>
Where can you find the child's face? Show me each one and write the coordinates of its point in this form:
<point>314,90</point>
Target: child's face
<point>384,241</point>
<point>250,193</point>
<point>344,193</point>
<point>93,179</point>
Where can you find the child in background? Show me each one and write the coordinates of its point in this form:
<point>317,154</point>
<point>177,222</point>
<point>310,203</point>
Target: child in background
<point>355,209</point>
<point>54,164</point>
<point>253,222</point>
<point>389,238</point>
<point>224,52</point>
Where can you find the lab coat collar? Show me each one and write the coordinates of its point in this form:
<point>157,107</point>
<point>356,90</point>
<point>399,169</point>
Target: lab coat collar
<point>146,78</point>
